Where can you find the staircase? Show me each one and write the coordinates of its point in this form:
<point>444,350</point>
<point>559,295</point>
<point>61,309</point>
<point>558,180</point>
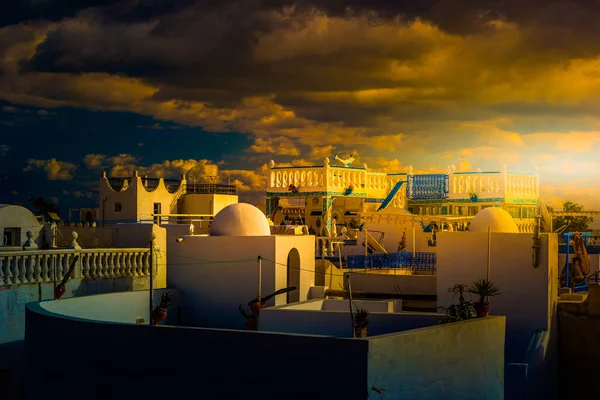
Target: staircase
<point>176,196</point>
<point>391,196</point>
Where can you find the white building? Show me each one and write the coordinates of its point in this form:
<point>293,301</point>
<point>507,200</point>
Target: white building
<point>326,192</point>
<point>239,260</point>
<point>15,222</point>
<point>141,199</point>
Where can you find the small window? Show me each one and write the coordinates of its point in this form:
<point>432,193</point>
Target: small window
<point>118,207</point>
<point>12,237</point>
<point>473,210</point>
<point>514,211</point>
<point>528,212</point>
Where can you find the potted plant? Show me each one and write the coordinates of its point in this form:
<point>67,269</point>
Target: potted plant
<point>473,195</point>
<point>361,320</point>
<point>484,289</point>
<point>349,190</point>
<point>160,312</point>
<point>460,311</point>
<point>402,243</point>
<point>256,305</point>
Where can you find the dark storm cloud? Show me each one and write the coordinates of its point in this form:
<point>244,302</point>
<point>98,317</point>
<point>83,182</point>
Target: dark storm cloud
<point>322,61</point>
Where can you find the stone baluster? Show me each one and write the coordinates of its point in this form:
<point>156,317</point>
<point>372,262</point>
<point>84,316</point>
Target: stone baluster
<point>94,272</point>
<point>110,266</point>
<point>142,263</point>
<point>116,264</point>
<point>134,265</point>
<point>27,268</point>
<point>97,261</point>
<point>17,272</point>
<point>130,264</point>
<point>58,267</point>
<point>67,264</point>
<point>146,263</point>
<point>121,265</point>
<point>44,269</point>
<point>37,270</point>
<point>85,266</point>
<point>12,272</point>
<point>3,272</point>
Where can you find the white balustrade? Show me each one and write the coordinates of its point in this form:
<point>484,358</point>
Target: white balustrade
<point>519,185</point>
<point>493,185</point>
<point>19,267</point>
<point>484,185</point>
<point>326,246</point>
<point>328,179</point>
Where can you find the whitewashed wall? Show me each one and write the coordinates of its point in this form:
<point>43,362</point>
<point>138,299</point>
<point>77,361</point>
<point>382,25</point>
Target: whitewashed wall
<point>529,294</point>
<point>212,292</point>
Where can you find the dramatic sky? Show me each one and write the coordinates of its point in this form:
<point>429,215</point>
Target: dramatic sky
<point>168,86</point>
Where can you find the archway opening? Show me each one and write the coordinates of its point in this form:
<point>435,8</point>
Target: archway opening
<point>293,275</point>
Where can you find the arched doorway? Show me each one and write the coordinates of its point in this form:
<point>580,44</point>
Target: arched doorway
<point>89,217</point>
<point>293,275</point>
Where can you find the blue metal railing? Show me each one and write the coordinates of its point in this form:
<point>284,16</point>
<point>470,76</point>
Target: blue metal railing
<point>417,262</point>
<point>593,249</point>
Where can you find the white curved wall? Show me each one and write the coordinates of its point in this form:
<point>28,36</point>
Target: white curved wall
<point>18,217</point>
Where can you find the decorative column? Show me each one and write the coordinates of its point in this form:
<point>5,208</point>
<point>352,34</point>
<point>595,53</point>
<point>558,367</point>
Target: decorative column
<point>327,203</point>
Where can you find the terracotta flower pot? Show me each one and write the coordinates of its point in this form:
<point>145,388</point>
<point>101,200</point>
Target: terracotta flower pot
<point>59,291</point>
<point>360,331</point>
<point>158,315</point>
<point>482,309</point>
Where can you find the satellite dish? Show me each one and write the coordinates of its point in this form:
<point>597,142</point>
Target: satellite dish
<point>546,221</point>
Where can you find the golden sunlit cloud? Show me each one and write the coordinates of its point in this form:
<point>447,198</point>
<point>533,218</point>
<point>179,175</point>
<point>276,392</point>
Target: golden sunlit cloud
<point>307,83</point>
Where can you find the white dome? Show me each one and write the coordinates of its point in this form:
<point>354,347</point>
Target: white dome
<point>240,219</point>
<point>500,221</point>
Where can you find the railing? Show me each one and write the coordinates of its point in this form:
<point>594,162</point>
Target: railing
<point>520,185</point>
<point>209,188</point>
<point>38,266</point>
<point>328,246</point>
<point>483,184</point>
<point>417,262</point>
<point>493,184</point>
<point>172,185</point>
<point>328,178</point>
<point>118,184</point>
<point>525,226</point>
<point>427,186</point>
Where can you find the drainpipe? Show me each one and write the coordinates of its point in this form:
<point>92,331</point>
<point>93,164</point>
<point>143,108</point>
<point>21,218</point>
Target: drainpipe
<point>536,242</point>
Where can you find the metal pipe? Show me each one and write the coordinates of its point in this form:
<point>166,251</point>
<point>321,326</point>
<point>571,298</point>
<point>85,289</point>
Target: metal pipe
<point>366,246</point>
<point>350,304</point>
<point>151,296</point>
<point>565,235</point>
<point>536,242</point>
<point>489,253</point>
<point>259,259</point>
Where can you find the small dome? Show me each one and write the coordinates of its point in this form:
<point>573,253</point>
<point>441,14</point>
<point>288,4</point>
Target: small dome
<point>240,219</point>
<point>500,221</point>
